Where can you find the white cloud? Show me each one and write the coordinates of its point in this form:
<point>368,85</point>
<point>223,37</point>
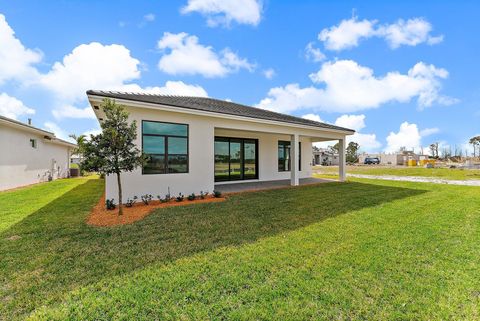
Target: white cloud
<point>13,108</point>
<point>350,32</point>
<point>149,17</point>
<point>313,117</point>
<point>269,73</point>
<point>429,131</point>
<point>355,122</point>
<point>409,136</point>
<point>350,87</point>
<point>178,88</point>
<point>90,66</point>
<point>16,61</point>
<point>367,142</point>
<point>223,12</point>
<point>410,33</point>
<point>59,132</point>
<point>313,54</point>
<point>69,111</point>
<point>347,34</point>
<point>186,56</point>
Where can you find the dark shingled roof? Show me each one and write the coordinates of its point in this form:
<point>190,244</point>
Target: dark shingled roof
<point>213,105</point>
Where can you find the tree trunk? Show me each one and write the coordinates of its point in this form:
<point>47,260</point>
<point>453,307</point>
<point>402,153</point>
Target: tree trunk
<point>120,208</point>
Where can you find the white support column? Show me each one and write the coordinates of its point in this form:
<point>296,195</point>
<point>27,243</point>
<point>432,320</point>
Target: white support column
<point>342,166</point>
<point>294,174</point>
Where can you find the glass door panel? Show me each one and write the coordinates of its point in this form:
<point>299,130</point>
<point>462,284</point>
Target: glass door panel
<point>222,160</point>
<point>236,159</point>
<point>250,159</point>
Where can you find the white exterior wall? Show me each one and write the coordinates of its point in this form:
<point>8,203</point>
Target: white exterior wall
<point>202,132</point>
<point>21,165</point>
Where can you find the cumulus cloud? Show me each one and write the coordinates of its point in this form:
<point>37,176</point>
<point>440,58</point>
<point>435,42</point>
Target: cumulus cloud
<point>313,117</point>
<point>221,12</point>
<point>69,111</point>
<point>186,56</point>
<point>350,87</point>
<point>409,33</point>
<point>16,61</point>
<point>367,142</point>
<point>90,66</point>
<point>349,33</point>
<point>59,132</point>
<point>13,108</point>
<point>313,54</point>
<point>408,136</point>
<point>178,88</point>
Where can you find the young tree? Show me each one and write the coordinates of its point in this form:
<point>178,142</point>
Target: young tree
<point>475,142</point>
<point>352,152</point>
<point>113,151</point>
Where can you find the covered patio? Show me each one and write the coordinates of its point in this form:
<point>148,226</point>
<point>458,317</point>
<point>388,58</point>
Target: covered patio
<point>265,185</point>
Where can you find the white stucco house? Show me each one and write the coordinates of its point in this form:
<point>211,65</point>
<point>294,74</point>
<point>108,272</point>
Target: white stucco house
<point>30,155</point>
<point>197,143</point>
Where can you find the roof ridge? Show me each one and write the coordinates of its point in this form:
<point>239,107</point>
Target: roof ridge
<point>217,106</point>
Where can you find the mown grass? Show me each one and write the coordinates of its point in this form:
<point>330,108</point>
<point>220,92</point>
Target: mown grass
<point>358,250</point>
<point>444,173</point>
<point>17,204</point>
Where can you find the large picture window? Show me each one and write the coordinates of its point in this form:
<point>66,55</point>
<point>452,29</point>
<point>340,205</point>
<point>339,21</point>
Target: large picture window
<point>235,159</point>
<point>284,156</point>
<point>166,145</point>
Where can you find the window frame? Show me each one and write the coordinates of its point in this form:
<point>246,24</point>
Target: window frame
<point>288,143</point>
<point>33,143</point>
<point>165,142</point>
<point>242,160</point>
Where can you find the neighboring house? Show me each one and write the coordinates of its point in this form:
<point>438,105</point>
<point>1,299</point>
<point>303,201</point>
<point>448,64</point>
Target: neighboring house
<point>325,157</point>
<point>195,143</point>
<point>30,155</point>
<point>399,158</point>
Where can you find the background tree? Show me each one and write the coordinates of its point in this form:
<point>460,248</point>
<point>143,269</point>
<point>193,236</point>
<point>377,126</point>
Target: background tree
<point>475,142</point>
<point>113,151</point>
<point>434,150</point>
<point>352,152</point>
<point>335,148</point>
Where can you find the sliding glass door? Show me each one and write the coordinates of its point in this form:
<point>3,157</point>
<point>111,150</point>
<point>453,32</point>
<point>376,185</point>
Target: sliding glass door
<point>235,159</point>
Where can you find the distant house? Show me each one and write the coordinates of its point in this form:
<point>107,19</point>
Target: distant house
<point>325,157</point>
<point>196,144</point>
<point>30,155</point>
<point>399,158</point>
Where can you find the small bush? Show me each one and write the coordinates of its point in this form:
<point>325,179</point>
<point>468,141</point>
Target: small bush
<point>147,198</point>
<point>131,201</point>
<point>180,197</point>
<point>191,197</point>
<point>110,204</point>
<point>167,199</point>
<point>203,194</point>
<point>217,194</point>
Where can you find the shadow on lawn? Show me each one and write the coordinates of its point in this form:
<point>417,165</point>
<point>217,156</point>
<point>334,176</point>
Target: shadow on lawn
<point>57,252</point>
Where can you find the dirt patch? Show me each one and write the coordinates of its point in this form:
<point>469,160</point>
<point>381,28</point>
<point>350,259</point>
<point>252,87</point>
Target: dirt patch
<point>14,237</point>
<point>100,216</point>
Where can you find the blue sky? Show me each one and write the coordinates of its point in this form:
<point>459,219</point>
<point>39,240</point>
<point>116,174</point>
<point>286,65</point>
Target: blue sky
<point>402,74</point>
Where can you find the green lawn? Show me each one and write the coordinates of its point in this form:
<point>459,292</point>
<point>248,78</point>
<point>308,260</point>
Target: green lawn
<point>445,173</point>
<point>359,250</point>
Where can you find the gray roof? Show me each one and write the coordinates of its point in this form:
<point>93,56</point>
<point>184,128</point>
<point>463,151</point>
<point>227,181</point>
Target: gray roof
<point>213,105</point>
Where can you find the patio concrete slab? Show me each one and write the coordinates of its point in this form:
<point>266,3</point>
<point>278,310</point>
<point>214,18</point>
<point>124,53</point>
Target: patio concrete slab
<point>265,185</point>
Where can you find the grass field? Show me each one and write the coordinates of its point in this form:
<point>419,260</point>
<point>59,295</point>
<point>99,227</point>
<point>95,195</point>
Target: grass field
<point>359,250</point>
<point>444,173</point>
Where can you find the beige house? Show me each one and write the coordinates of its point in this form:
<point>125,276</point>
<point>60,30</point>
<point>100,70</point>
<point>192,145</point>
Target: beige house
<point>30,155</point>
<point>197,144</point>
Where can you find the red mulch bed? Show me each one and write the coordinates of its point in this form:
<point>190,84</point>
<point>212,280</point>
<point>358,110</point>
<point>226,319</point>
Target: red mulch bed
<point>100,216</point>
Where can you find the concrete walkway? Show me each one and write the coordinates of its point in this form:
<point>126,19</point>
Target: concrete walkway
<point>264,185</point>
<point>418,179</point>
